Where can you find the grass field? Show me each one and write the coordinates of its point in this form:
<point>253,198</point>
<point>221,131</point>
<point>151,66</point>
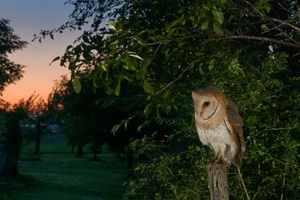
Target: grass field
<point>60,175</point>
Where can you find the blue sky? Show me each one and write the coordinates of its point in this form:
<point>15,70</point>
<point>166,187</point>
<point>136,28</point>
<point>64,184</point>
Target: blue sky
<point>27,18</point>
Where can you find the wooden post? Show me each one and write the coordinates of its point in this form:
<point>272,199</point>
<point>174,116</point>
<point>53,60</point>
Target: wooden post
<point>217,176</point>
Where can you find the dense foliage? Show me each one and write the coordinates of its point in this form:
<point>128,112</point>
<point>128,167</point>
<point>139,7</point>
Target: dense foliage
<point>82,120</point>
<point>250,50</point>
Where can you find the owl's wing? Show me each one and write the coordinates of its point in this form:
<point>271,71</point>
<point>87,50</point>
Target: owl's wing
<point>234,123</point>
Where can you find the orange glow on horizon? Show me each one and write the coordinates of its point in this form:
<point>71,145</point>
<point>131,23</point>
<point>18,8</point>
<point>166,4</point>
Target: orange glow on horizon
<point>28,18</point>
<point>39,76</point>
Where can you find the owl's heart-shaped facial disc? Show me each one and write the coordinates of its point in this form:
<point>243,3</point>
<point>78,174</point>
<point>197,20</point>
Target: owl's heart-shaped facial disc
<point>208,106</point>
<point>205,106</point>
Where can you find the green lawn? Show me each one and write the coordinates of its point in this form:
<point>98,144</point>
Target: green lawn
<point>60,175</point>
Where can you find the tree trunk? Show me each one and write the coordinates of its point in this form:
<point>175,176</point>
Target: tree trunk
<point>37,149</point>
<point>8,165</point>
<point>217,177</point>
<point>79,152</point>
<point>3,163</point>
<point>3,160</point>
<point>95,155</point>
<point>73,148</point>
<point>10,148</point>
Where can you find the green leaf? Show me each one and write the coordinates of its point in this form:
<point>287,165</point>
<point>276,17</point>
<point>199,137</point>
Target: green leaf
<point>112,25</point>
<point>167,55</point>
<point>108,89</point>
<point>183,22</point>
<point>211,64</point>
<point>235,67</point>
<point>103,66</point>
<point>69,47</point>
<point>136,56</point>
<point>130,63</point>
<point>218,15</point>
<point>192,18</point>
<point>76,85</point>
<point>85,38</point>
<point>148,87</point>
<point>205,24</point>
<point>200,69</point>
<point>118,88</point>
<point>55,59</point>
<point>174,23</point>
<point>139,40</point>
<point>148,109</point>
<point>218,29</point>
<point>167,109</point>
<point>264,27</point>
<point>205,7</point>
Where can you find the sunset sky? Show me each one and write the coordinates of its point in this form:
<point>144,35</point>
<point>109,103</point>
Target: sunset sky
<point>28,18</point>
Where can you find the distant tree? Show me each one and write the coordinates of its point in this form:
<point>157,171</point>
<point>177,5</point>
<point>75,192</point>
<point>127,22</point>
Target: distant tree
<point>10,118</point>
<point>10,72</point>
<point>93,117</point>
<point>11,140</point>
<point>40,115</point>
<point>81,116</point>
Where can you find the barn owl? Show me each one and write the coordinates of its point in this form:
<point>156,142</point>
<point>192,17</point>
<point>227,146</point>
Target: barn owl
<point>219,126</point>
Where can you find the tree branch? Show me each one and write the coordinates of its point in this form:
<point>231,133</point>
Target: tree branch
<point>264,39</point>
<point>284,23</point>
<point>172,82</point>
<point>278,129</point>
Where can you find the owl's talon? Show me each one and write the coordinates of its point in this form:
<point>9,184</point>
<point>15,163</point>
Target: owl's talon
<point>225,162</point>
<point>219,161</point>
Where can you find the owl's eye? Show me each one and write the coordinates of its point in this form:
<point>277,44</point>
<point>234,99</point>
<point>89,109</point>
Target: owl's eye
<point>206,103</point>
